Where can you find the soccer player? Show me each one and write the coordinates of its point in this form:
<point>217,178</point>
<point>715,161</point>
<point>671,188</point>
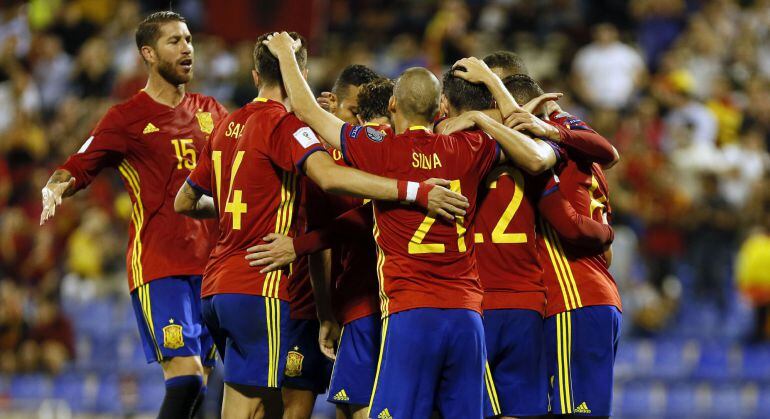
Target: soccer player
<point>342,101</point>
<point>154,140</point>
<point>432,351</point>
<point>312,321</point>
<point>251,169</point>
<point>355,292</point>
<point>583,314</point>
<point>509,266</point>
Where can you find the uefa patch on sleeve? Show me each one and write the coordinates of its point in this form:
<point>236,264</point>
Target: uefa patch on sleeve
<point>374,135</point>
<point>306,137</point>
<point>355,131</point>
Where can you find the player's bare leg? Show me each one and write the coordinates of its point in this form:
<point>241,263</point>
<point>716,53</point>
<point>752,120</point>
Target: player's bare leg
<point>297,404</point>
<point>359,412</point>
<point>184,381</point>
<point>247,402</point>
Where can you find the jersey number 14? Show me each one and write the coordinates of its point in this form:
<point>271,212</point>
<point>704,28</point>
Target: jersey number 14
<point>234,204</point>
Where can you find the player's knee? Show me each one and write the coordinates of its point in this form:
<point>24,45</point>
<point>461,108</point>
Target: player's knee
<point>182,365</point>
<point>297,404</point>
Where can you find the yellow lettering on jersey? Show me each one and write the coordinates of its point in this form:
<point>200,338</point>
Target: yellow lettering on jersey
<point>498,234</point>
<point>336,155</point>
<point>595,202</point>
<point>424,161</point>
<point>234,130</point>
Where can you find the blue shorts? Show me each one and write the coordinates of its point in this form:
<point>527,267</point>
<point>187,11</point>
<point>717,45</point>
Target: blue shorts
<point>431,359</point>
<point>168,313</point>
<point>516,361</point>
<point>356,364</point>
<point>306,367</point>
<point>251,333</point>
<point>581,345</point>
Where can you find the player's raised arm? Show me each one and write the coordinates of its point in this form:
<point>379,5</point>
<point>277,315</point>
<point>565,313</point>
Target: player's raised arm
<point>303,103</point>
<point>533,155</point>
<point>476,71</point>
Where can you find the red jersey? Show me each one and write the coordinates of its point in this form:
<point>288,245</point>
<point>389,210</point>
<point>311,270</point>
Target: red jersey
<point>577,277</point>
<point>355,291</point>
<point>509,264</point>
<point>252,170</point>
<point>154,147</point>
<point>301,301</point>
<point>424,261</point>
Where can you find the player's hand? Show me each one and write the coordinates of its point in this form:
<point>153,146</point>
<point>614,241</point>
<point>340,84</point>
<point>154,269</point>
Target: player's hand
<point>276,252</point>
<point>446,203</point>
<point>535,103</point>
<point>457,124</point>
<point>52,195</point>
<point>328,102</point>
<point>279,43</point>
<point>525,121</point>
<point>472,69</point>
<point>328,336</point>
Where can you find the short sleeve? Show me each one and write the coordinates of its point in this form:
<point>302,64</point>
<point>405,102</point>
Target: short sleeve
<point>292,143</point>
<point>200,177</point>
<point>105,147</point>
<point>363,147</point>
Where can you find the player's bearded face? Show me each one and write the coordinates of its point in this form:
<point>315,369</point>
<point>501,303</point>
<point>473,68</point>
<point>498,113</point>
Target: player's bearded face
<point>175,53</point>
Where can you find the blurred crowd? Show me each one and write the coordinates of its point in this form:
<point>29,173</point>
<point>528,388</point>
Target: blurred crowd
<point>680,87</point>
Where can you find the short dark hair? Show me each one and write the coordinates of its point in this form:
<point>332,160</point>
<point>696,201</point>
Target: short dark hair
<point>464,95</point>
<point>353,75</point>
<point>522,87</point>
<point>148,31</point>
<point>508,61</point>
<point>373,99</point>
<point>267,65</point>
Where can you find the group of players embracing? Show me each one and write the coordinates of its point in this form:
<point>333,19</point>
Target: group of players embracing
<point>446,244</point>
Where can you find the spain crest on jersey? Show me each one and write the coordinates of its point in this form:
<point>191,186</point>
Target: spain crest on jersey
<point>172,336</point>
<point>205,121</point>
<point>294,364</point>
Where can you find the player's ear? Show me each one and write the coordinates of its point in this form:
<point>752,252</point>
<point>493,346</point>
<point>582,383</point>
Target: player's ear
<point>304,73</point>
<point>148,53</point>
<point>443,106</point>
<point>255,76</point>
<point>392,105</point>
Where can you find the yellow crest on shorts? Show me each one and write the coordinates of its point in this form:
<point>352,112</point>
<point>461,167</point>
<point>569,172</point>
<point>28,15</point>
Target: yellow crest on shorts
<point>205,121</point>
<point>172,336</point>
<point>294,364</point>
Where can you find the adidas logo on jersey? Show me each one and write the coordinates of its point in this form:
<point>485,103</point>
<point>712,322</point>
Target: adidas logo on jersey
<point>583,408</point>
<point>341,396</point>
<point>384,415</point>
<point>150,128</point>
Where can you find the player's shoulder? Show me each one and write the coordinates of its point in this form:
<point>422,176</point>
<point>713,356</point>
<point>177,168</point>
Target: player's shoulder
<point>204,102</point>
<point>373,132</point>
<point>467,139</point>
<point>126,113</point>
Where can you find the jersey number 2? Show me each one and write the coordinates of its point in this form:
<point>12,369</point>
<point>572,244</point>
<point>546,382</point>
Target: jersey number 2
<point>499,235</point>
<point>416,246</point>
<point>235,206</point>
